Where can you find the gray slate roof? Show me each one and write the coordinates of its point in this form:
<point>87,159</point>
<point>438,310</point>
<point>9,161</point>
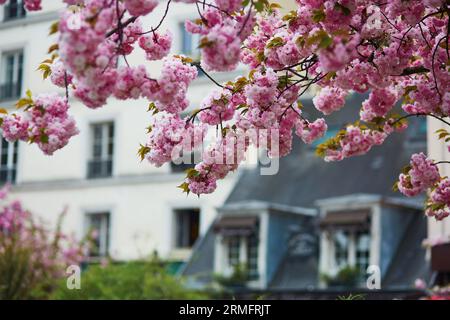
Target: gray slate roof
<point>304,178</point>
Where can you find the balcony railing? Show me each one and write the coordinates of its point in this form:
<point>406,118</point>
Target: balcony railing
<point>7,175</point>
<point>10,91</point>
<point>99,169</point>
<point>14,10</point>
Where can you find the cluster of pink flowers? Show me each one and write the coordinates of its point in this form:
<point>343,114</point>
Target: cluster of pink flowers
<point>422,174</point>
<point>140,7</point>
<point>355,141</point>
<point>48,253</point>
<point>216,108</point>
<point>263,89</point>
<point>310,132</point>
<point>218,160</point>
<point>32,5</point>
<point>45,122</point>
<point>228,5</point>
<point>170,136</point>
<point>329,100</point>
<point>156,46</point>
<point>129,82</point>
<point>172,85</point>
<point>379,103</point>
<point>59,75</point>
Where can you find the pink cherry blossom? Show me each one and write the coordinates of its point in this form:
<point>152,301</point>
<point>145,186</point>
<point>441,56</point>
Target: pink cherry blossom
<point>156,46</point>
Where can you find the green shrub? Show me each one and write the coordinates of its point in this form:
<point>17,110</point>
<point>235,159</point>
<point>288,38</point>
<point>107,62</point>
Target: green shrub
<point>346,277</point>
<point>137,280</point>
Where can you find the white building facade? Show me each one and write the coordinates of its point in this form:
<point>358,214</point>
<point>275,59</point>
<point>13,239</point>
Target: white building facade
<point>438,151</point>
<point>98,176</point>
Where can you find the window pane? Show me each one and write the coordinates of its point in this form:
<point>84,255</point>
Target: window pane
<point>100,165</point>
<point>341,248</point>
<point>98,224</point>
<point>233,251</point>
<point>14,9</point>
<point>187,227</point>
<point>11,76</point>
<point>252,257</point>
<point>8,161</point>
<point>362,251</point>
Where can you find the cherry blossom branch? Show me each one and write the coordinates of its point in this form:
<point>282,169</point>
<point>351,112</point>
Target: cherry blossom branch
<point>442,162</point>
<point>194,115</point>
<point>124,24</point>
<point>197,64</point>
<point>160,21</point>
<point>247,18</point>
<point>421,114</point>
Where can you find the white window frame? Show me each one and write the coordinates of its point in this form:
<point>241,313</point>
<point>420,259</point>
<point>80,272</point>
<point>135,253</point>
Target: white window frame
<point>176,212</point>
<point>104,232</point>
<point>16,53</point>
<point>243,255</point>
<point>10,165</point>
<point>105,140</point>
<point>4,19</point>
<point>351,250</point>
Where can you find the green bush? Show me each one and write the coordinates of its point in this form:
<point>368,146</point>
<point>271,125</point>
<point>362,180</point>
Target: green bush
<point>137,280</point>
<point>346,277</point>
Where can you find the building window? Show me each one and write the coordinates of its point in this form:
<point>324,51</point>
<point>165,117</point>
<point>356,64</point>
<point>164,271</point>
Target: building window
<point>14,9</point>
<point>362,251</point>
<point>99,226</point>
<point>243,251</point>
<point>252,257</point>
<point>187,227</point>
<point>341,247</point>
<point>189,45</point>
<point>102,149</point>
<point>234,251</point>
<point>11,75</point>
<point>351,249</point>
<point>8,161</point>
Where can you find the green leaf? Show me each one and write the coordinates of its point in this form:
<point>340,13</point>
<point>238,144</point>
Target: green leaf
<point>44,138</point>
<point>192,173</point>
<point>54,28</point>
<point>24,102</point>
<point>346,11</point>
<point>321,38</point>
<point>53,47</point>
<point>185,187</point>
<point>143,150</point>
<point>275,42</point>
<point>395,187</point>
<point>318,15</point>
<point>259,6</point>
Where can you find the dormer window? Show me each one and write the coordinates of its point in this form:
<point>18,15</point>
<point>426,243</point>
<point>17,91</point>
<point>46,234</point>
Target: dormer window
<point>346,241</point>
<point>239,246</point>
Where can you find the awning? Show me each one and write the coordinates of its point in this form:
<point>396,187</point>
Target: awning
<point>346,219</point>
<point>440,257</point>
<point>236,226</point>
